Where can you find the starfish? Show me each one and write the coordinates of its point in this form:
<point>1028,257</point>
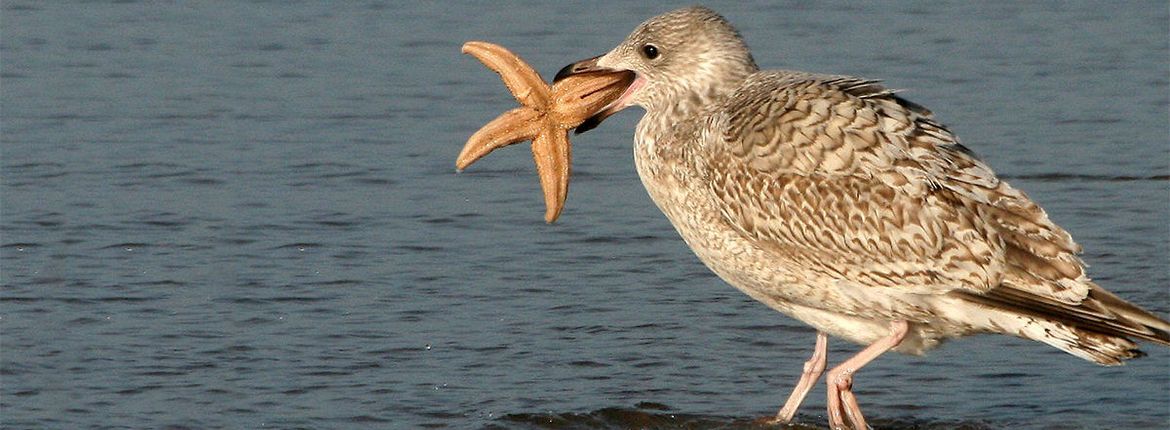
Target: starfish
<point>545,116</point>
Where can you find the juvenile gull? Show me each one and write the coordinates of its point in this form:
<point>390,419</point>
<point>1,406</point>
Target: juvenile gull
<point>837,202</point>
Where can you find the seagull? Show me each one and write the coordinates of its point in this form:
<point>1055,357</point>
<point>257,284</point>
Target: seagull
<point>836,201</point>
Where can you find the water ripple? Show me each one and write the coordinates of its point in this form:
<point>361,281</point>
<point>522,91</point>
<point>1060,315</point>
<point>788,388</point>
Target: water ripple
<point>1066,177</point>
<point>657,416</point>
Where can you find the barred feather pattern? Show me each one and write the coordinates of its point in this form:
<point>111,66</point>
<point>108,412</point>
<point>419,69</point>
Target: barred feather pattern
<point>865,209</point>
<point>837,201</point>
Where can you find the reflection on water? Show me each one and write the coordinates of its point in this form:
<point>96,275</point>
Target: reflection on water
<point>656,416</point>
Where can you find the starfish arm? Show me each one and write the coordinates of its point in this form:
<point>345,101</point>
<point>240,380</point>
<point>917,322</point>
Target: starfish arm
<point>552,153</point>
<point>524,83</point>
<point>546,116</point>
<point>513,126</point>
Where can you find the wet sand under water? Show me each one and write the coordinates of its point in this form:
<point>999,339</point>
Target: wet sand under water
<point>657,416</point>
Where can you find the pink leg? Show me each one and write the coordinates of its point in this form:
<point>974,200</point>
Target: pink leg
<point>813,368</point>
<point>842,402</point>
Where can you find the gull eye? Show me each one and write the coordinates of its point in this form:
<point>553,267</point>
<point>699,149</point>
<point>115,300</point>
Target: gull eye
<point>650,51</point>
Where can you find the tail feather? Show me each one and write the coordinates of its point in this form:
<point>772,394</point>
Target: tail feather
<point>1158,329</point>
<point>1098,329</point>
<point>1101,349</point>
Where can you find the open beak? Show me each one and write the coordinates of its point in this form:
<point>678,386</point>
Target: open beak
<point>590,66</point>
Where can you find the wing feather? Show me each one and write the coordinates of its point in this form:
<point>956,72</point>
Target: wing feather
<point>845,179</point>
<point>850,174</point>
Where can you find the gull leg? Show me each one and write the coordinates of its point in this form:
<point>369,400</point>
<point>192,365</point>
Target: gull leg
<point>813,368</point>
<point>842,402</point>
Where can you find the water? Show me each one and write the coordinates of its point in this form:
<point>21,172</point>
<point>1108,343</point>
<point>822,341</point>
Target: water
<point>245,215</point>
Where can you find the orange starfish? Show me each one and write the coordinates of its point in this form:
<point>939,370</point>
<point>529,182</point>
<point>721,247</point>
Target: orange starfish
<point>545,117</point>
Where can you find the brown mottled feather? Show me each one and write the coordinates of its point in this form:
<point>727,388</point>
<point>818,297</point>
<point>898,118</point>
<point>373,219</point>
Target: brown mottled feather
<point>842,177</point>
<point>835,201</point>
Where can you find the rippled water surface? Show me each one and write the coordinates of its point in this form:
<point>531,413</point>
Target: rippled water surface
<point>245,215</point>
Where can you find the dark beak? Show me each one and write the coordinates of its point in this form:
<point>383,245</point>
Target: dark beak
<point>582,66</point>
<point>587,66</point>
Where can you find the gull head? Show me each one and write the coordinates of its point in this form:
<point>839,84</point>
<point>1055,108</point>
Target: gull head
<point>681,59</point>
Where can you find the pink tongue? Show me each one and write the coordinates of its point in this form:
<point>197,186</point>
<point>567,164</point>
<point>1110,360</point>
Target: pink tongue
<point>623,101</point>
<point>612,108</point>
